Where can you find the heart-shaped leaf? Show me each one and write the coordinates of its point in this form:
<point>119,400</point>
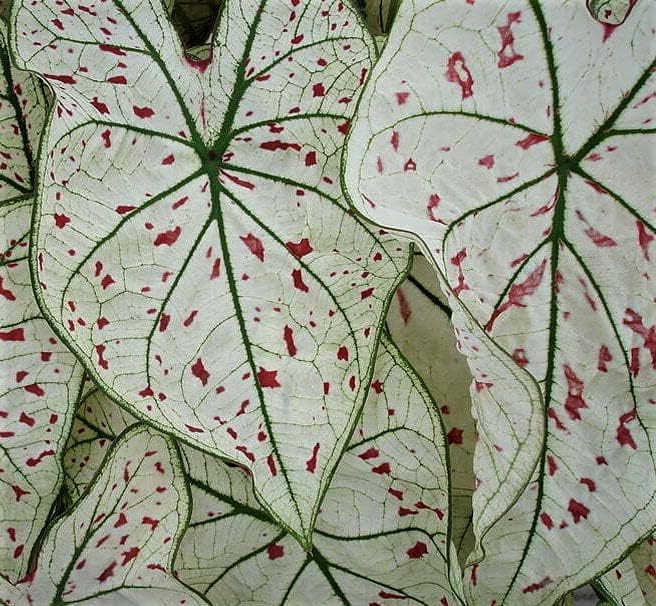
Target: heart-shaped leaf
<point>521,160</point>
<point>419,304</point>
<point>192,243</point>
<point>620,585</point>
<point>382,535</point>
<point>39,378</point>
<point>118,543</point>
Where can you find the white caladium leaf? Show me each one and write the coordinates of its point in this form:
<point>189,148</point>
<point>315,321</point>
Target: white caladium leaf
<point>117,545</point>
<point>620,585</point>
<point>524,168</point>
<point>192,243</point>
<point>383,531</point>
<point>419,304</point>
<point>39,378</point>
<point>382,536</point>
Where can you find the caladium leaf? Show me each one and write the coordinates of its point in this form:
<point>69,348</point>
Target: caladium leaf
<point>419,304</point>
<point>118,543</point>
<point>192,243</point>
<point>39,378</point>
<point>533,196</point>
<point>383,531</point>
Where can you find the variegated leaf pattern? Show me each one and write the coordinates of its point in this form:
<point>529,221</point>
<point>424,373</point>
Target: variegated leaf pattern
<point>118,543</point>
<point>39,378</point>
<point>383,532</point>
<point>192,244</point>
<point>518,153</point>
<point>419,324</point>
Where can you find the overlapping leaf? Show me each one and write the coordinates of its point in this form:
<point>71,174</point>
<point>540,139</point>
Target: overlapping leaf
<point>383,531</point>
<point>610,12</point>
<point>117,545</point>
<point>192,243</point>
<point>620,585</point>
<point>419,323</point>
<point>39,378</point>
<point>523,165</point>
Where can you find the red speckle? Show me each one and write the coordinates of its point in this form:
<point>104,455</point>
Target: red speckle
<point>130,554</point>
<point>342,353</point>
<point>254,244</point>
<point>454,436</point>
<point>589,483</point>
<point>170,159</point>
<point>578,510</point>
<point>147,520</point>
<point>486,161</point>
<point>193,429</point>
<point>418,550</point>
<point>401,98</point>
<point>26,419</point>
<point>366,293</point>
<point>530,140</point>
<point>311,463</point>
<point>114,50</point>
<point>102,362</point>
<point>216,269</point>
<point>101,107</point>
<point>377,386</point>
<point>394,140</point>
<point>644,239</point>
<point>574,400</point>
<point>33,462</point>
<point>537,586</point>
<point>297,39</point>
<point>64,79</point>
<point>271,463</point>
<point>603,358</point>
<point>410,165</point>
<point>61,220</point>
<point>198,370</point>
<point>318,90</point>
<point>298,281</point>
<point>507,54</point>
<point>280,145</point>
<point>370,453</point>
<point>551,465</point>
<point>404,306</point>
<point>117,80</point>
<point>35,389</point>
<point>124,208</point>
<point>299,249</point>
<point>623,435</point>
<point>382,469</point>
<point>267,378</point>
<point>106,282</point>
<point>15,334</point>
<point>518,292</point>
<point>169,237</point>
<point>164,322</point>
<point>122,520</point>
<point>288,337</point>
<point>310,158</point>
<point>545,518</point>
<point>275,551</point>
<point>19,492</point>
<point>143,112</point>
<point>108,572</point>
<point>458,72</point>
